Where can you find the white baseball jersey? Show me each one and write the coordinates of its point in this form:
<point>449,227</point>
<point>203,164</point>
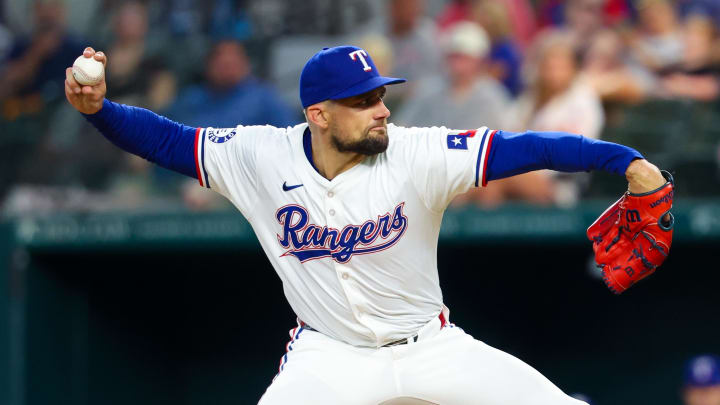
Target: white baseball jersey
<point>357,255</point>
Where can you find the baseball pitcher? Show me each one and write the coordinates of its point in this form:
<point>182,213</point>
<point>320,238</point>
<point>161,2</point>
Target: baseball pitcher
<point>348,208</point>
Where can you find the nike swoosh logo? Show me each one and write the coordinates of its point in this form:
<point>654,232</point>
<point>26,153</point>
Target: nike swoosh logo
<point>288,188</point>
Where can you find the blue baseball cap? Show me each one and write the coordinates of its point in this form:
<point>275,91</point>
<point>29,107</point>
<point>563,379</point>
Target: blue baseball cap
<point>702,371</point>
<point>340,72</point>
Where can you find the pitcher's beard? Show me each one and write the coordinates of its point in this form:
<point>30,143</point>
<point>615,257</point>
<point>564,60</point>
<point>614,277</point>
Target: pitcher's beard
<point>371,144</point>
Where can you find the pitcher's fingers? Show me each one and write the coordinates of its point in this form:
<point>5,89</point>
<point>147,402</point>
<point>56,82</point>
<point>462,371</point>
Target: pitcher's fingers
<point>96,94</point>
<point>87,90</point>
<point>88,52</point>
<point>70,80</point>
<point>100,57</point>
<point>68,91</point>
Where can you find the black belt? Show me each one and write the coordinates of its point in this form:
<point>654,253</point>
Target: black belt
<point>404,341</point>
<point>395,343</point>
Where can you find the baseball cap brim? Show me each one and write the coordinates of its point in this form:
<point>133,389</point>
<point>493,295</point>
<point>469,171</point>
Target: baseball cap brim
<point>367,85</point>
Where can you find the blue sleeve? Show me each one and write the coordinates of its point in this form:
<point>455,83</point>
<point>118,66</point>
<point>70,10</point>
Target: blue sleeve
<point>148,135</point>
<point>512,154</point>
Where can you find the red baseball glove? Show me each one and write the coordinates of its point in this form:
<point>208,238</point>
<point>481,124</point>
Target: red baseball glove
<point>633,237</point>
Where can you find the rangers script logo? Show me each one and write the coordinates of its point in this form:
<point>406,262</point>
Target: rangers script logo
<point>309,241</point>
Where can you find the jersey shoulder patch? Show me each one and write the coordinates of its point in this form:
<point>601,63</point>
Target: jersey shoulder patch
<point>457,138</point>
<point>220,135</point>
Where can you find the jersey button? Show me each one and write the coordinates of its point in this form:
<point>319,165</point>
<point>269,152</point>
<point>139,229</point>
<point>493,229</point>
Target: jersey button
<point>330,194</point>
<point>345,276</point>
<point>332,212</point>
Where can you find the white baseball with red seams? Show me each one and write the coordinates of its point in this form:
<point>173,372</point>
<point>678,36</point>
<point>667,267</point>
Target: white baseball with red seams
<point>88,71</point>
<point>357,256</point>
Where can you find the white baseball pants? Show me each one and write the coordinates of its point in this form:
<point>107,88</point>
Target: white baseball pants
<point>446,366</point>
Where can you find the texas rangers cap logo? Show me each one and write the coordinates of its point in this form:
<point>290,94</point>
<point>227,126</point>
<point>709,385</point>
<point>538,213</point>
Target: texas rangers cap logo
<point>340,72</point>
<point>361,54</point>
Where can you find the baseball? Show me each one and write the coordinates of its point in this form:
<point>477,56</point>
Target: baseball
<point>88,71</point>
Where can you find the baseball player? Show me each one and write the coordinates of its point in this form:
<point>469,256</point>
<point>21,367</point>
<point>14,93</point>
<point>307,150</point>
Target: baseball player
<point>347,208</point>
<point>702,380</point>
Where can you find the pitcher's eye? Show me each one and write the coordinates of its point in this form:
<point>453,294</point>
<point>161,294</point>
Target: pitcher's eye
<point>368,101</point>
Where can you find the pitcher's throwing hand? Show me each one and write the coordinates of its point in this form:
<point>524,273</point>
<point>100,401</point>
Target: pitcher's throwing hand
<point>86,99</point>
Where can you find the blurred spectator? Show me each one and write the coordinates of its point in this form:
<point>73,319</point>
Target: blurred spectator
<point>134,79</point>
<point>519,17</point>
<point>137,75</point>
<point>555,13</point>
<point>617,12</point>
<point>35,72</point>
<point>613,79</point>
<point>504,58</point>
<point>230,96</point>
<point>136,66</point>
<point>274,18</point>
<point>557,99</point>
<point>229,18</point>
<point>697,76</point>
<point>174,33</point>
<point>80,15</point>
<point>709,8</point>
<point>702,381</point>
<point>550,13</point>
<point>454,12</point>
<point>176,17</point>
<point>583,20</point>
<point>656,43</point>
<point>33,81</point>
<point>413,37</point>
<point>468,97</point>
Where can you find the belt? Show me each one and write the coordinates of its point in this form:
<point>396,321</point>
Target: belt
<point>412,339</point>
<point>405,341</point>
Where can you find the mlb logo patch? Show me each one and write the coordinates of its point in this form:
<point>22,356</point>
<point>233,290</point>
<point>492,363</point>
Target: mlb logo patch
<point>459,140</point>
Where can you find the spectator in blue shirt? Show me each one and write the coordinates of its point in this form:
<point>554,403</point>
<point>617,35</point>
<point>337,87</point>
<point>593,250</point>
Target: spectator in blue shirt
<point>230,96</point>
<point>505,58</point>
<point>31,76</point>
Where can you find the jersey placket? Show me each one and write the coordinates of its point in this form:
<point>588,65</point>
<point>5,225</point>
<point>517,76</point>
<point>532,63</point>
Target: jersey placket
<point>336,218</point>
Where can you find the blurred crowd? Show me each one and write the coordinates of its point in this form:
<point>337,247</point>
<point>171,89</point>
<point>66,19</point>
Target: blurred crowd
<point>545,65</point>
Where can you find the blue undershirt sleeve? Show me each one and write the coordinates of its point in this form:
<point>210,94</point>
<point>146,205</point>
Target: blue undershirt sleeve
<point>516,153</point>
<point>148,135</point>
